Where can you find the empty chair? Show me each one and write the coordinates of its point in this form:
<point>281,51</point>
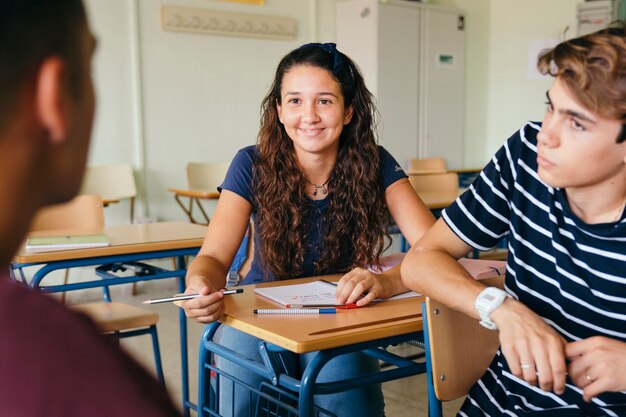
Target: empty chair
<point>436,190</point>
<point>427,166</point>
<point>206,176</point>
<point>203,178</point>
<point>85,214</point>
<point>113,183</point>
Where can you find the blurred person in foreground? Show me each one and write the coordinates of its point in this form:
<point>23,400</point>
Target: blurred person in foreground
<point>52,362</point>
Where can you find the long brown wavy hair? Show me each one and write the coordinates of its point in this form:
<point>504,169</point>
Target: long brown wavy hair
<point>355,225</point>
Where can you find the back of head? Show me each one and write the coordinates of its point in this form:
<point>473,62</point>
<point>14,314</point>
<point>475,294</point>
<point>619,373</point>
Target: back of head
<point>30,31</point>
<point>593,67</point>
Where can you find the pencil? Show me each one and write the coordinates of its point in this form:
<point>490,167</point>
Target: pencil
<point>187,297</point>
<point>295,311</point>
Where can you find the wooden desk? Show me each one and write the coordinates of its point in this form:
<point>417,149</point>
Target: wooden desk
<point>302,334</point>
<point>132,238</point>
<point>368,330</point>
<point>136,242</point>
<point>193,196</point>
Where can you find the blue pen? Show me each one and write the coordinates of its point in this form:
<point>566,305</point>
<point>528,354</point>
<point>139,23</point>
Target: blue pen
<point>295,311</point>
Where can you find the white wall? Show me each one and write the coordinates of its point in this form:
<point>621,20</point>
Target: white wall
<point>166,98</point>
<point>499,95</point>
<point>514,98</point>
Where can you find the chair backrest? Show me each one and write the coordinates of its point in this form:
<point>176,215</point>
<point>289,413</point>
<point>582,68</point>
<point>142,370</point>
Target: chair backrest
<point>84,212</point>
<point>428,165</point>
<point>460,348</point>
<point>111,182</point>
<point>435,183</point>
<point>206,176</point>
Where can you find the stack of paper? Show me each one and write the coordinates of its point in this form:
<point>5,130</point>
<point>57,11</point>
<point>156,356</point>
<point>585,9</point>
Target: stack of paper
<point>66,242</point>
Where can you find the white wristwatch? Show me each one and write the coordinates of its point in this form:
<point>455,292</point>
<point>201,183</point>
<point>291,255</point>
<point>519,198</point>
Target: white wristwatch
<point>486,302</point>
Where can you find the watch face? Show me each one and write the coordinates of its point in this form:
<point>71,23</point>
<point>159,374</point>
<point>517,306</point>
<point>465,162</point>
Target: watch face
<point>489,297</point>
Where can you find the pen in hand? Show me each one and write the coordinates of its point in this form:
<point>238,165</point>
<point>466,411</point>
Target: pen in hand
<point>187,297</point>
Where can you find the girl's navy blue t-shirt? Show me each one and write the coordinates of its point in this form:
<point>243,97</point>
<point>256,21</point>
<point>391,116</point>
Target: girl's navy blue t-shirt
<point>239,181</point>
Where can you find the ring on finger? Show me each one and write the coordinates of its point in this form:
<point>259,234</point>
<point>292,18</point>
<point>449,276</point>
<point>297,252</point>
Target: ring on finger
<point>527,365</point>
<point>588,378</point>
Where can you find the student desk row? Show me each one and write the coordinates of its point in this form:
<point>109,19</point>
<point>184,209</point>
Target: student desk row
<point>130,243</point>
<point>369,330</point>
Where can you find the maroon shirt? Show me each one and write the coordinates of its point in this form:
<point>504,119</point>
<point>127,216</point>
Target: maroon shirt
<point>53,362</point>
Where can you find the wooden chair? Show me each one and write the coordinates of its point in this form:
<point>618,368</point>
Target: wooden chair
<point>437,191</point>
<point>83,214</point>
<point>203,178</point>
<point>427,166</point>
<point>113,183</point>
<point>458,351</point>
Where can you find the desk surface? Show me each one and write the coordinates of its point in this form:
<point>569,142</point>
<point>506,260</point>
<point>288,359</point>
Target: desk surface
<point>195,193</point>
<point>132,238</point>
<point>307,333</point>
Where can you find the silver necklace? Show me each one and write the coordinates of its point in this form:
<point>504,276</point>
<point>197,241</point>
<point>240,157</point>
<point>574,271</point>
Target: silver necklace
<point>323,188</point>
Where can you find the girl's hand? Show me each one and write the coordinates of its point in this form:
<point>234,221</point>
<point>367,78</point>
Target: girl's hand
<point>205,309</point>
<point>597,365</point>
<point>533,350</point>
<point>361,286</point>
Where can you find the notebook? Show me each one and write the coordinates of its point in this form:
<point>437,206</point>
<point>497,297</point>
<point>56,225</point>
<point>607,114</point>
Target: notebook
<point>315,293</point>
<point>322,293</point>
<point>66,242</point>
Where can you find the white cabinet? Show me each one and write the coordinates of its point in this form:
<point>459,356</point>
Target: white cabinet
<point>412,58</point>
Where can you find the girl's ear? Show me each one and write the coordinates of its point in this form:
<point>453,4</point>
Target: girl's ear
<point>52,98</point>
<point>347,117</point>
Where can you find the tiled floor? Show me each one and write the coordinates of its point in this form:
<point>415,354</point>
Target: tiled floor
<point>406,397</point>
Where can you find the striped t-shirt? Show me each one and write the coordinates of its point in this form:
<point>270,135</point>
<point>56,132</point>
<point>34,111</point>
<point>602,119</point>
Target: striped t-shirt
<point>570,273</point>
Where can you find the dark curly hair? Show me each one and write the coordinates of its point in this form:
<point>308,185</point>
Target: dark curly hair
<point>355,225</point>
<point>594,69</point>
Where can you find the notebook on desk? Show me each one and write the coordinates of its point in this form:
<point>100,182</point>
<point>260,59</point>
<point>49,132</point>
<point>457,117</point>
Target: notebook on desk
<point>66,242</point>
<point>315,293</point>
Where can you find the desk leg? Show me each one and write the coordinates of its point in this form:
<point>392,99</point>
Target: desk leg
<point>184,365</point>
<point>305,402</point>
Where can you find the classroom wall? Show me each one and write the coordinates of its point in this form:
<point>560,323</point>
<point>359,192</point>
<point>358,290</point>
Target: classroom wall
<point>514,97</point>
<point>500,96</point>
<point>167,98</point>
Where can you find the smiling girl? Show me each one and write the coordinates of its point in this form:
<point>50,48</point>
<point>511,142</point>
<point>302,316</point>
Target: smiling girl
<point>319,191</point>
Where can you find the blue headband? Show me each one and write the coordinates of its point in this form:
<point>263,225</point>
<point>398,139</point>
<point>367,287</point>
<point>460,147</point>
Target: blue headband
<point>331,48</point>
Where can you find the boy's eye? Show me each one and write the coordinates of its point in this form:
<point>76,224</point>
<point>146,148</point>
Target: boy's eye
<point>294,100</point>
<point>325,101</point>
<point>576,125</point>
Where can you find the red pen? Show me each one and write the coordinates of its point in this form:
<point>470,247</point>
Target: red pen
<point>348,306</point>
<point>342,306</point>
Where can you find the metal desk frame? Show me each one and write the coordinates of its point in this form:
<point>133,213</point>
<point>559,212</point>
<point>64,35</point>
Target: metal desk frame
<point>306,387</point>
